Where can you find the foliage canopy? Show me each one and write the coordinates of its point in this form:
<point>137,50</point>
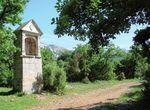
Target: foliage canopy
<point>99,20</point>
<point>10,13</point>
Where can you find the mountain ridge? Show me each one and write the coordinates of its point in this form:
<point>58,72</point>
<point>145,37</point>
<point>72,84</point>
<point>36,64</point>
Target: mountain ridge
<point>57,50</point>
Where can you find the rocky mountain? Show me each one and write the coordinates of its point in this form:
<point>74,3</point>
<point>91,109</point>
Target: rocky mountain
<point>57,50</point>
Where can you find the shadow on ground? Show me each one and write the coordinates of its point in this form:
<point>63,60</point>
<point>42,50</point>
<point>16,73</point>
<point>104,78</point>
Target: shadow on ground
<point>7,93</point>
<point>106,106</point>
<point>111,106</point>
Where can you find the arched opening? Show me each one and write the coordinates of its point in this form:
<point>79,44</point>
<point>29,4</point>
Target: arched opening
<point>30,46</point>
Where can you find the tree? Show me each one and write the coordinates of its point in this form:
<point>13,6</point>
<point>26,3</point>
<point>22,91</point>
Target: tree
<point>77,65</point>
<point>142,39</point>
<point>99,20</point>
<point>127,66</point>
<point>10,13</point>
<point>65,56</point>
<point>83,54</point>
<point>47,56</point>
<point>73,70</point>
<point>7,50</point>
<point>104,63</point>
<point>133,64</point>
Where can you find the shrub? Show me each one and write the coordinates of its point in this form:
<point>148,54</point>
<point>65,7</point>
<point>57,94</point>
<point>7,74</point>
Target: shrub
<point>84,69</point>
<point>73,70</point>
<point>141,68</point>
<point>6,75</point>
<point>127,66</point>
<point>102,71</point>
<point>101,68</point>
<point>54,78</point>
<point>61,63</point>
<point>79,66</point>
<point>121,76</point>
<point>60,82</point>
<point>47,56</point>
<point>85,80</point>
<point>65,56</point>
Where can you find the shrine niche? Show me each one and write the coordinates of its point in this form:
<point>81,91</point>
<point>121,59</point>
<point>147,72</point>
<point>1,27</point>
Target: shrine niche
<point>31,46</point>
<point>28,62</point>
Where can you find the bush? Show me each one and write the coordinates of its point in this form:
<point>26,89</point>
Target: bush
<point>121,76</point>
<point>79,64</point>
<point>7,50</point>
<point>101,67</point>
<point>127,66</point>
<point>141,68</point>
<point>54,78</point>
<point>61,63</point>
<point>73,71</point>
<point>47,56</point>
<point>6,75</point>
<point>101,71</point>
<point>85,80</point>
<point>85,69</point>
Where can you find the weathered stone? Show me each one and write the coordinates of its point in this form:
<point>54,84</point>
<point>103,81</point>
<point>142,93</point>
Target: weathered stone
<point>28,63</point>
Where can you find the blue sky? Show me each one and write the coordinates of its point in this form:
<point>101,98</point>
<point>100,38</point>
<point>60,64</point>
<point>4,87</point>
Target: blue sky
<point>42,11</point>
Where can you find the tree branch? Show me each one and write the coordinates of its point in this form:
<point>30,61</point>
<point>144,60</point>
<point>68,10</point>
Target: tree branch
<point>2,14</point>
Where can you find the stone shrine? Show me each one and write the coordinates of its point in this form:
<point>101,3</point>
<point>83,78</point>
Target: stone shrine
<point>28,62</point>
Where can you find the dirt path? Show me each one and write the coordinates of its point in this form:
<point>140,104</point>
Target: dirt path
<point>88,100</point>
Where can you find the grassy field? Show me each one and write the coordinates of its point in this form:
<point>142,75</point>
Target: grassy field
<point>134,95</point>
<point>10,101</point>
<point>17,101</point>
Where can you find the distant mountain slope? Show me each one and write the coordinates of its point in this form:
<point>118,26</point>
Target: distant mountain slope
<point>57,50</point>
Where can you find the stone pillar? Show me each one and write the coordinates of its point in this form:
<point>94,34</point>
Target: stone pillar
<point>28,65</point>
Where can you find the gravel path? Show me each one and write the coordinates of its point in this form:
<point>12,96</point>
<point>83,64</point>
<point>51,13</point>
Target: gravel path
<point>87,100</point>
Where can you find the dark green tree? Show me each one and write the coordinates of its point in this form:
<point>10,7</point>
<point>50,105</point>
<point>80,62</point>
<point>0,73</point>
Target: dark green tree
<point>73,70</point>
<point>83,54</point>
<point>103,64</point>
<point>133,64</point>
<point>10,13</point>
<point>65,56</point>
<point>127,66</point>
<point>142,39</point>
<point>47,56</point>
<point>7,50</point>
<point>99,20</point>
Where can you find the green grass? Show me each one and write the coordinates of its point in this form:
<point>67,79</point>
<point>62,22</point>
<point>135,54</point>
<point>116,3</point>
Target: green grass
<point>134,95</point>
<point>77,88</point>
<point>10,101</point>
<point>132,98</point>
